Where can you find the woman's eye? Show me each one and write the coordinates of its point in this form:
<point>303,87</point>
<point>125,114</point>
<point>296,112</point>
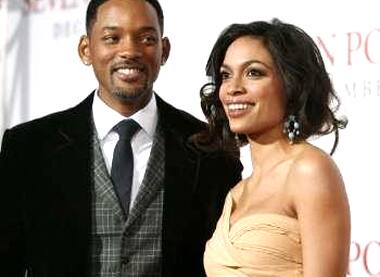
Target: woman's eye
<point>224,75</point>
<point>254,73</point>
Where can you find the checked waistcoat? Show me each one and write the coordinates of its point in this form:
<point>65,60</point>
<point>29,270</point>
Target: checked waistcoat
<point>131,247</point>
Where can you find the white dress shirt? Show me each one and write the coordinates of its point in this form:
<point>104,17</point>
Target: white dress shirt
<point>105,118</point>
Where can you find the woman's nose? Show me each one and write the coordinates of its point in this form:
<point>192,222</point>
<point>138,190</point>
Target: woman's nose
<point>235,86</point>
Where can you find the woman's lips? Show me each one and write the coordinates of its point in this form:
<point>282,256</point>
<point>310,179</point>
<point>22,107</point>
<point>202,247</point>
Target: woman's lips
<point>238,109</point>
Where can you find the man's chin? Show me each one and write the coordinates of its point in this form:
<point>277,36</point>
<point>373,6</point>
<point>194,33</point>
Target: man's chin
<point>131,96</point>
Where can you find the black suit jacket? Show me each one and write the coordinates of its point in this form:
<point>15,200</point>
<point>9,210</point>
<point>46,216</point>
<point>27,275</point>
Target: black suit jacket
<point>45,169</point>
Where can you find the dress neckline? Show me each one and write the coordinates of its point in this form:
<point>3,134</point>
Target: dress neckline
<point>241,220</point>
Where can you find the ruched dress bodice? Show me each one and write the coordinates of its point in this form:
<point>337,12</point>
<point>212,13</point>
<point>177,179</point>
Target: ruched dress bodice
<point>257,245</point>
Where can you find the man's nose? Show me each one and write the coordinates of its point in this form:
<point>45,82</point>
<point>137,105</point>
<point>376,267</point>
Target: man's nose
<point>130,48</point>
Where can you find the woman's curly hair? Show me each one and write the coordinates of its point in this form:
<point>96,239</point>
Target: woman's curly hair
<point>309,91</point>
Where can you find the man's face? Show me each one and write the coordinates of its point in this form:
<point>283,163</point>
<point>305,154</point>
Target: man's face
<point>126,50</point>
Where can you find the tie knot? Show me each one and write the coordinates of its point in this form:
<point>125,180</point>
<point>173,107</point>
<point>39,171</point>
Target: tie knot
<point>126,128</point>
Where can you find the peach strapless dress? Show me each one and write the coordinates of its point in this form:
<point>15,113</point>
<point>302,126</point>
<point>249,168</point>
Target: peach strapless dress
<point>258,245</point>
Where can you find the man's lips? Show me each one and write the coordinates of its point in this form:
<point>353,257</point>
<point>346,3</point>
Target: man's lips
<point>129,73</point>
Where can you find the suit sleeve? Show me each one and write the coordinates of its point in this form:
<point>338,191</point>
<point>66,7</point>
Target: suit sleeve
<point>12,250</point>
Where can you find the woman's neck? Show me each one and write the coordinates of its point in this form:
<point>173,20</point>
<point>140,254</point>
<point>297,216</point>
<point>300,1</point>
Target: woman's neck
<point>268,150</point>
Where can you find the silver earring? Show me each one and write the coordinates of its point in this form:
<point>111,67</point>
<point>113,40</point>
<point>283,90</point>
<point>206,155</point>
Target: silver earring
<point>213,111</point>
<point>292,128</point>
<point>237,140</point>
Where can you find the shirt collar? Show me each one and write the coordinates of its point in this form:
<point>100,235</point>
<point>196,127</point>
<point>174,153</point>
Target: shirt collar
<point>105,118</point>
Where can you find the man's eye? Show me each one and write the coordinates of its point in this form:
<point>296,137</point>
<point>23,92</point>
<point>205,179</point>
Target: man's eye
<point>110,39</point>
<point>149,40</point>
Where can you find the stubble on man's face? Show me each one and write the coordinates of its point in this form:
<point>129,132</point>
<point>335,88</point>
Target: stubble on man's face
<point>126,48</point>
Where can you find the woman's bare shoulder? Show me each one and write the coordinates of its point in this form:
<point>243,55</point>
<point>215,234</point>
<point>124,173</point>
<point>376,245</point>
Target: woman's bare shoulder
<point>314,173</point>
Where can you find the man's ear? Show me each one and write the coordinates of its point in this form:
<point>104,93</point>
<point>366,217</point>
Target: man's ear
<point>165,50</point>
<point>84,50</point>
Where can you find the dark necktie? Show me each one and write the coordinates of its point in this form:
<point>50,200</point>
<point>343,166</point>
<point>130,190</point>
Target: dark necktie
<point>122,162</point>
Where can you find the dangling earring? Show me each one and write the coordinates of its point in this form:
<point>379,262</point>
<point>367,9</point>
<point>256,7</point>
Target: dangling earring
<point>292,128</point>
<point>237,140</point>
<point>213,111</point>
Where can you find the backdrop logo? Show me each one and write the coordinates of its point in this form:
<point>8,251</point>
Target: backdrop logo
<point>42,6</point>
<point>62,27</point>
<point>365,258</point>
<point>363,88</point>
<point>352,58</point>
<point>357,47</point>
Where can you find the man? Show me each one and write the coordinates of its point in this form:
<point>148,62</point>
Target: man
<point>60,208</point>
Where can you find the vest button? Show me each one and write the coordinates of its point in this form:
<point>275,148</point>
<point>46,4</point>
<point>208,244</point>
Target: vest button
<point>124,260</point>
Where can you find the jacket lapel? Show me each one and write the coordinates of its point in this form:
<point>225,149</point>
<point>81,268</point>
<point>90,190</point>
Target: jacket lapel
<point>181,172</point>
<point>70,167</point>
<point>103,186</point>
<point>180,183</point>
<point>153,178</point>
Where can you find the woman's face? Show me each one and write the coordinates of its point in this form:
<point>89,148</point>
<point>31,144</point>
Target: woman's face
<point>252,91</point>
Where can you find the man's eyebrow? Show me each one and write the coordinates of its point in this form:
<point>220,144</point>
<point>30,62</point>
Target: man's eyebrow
<point>143,29</point>
<point>110,28</point>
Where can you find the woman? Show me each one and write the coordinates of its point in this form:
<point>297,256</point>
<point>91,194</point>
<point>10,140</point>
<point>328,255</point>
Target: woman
<point>291,217</point>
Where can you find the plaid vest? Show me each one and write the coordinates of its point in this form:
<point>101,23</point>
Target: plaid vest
<point>122,248</point>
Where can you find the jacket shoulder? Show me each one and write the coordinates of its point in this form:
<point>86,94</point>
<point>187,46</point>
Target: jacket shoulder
<point>47,123</point>
<point>178,120</point>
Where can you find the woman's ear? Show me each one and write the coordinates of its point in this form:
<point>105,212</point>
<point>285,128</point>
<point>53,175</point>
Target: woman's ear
<point>84,50</point>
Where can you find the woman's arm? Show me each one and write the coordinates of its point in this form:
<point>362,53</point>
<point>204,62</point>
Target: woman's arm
<point>321,204</point>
